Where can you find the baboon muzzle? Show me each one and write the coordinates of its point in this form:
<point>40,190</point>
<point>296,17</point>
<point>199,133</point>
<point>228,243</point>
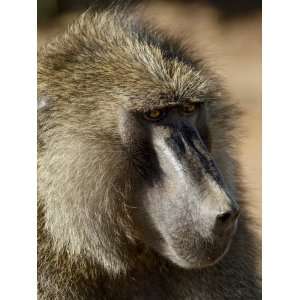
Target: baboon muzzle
<point>192,179</point>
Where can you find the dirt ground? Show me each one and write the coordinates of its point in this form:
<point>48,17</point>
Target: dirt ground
<point>234,49</point>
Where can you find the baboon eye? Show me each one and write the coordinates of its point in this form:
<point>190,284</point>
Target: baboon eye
<point>155,115</point>
<point>188,108</point>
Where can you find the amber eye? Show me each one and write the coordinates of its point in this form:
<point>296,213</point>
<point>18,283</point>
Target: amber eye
<point>188,108</point>
<point>154,115</point>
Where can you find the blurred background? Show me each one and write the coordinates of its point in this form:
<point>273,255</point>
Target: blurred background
<point>226,32</point>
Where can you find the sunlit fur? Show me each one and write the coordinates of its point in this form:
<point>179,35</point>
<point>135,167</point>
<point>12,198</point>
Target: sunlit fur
<point>88,244</point>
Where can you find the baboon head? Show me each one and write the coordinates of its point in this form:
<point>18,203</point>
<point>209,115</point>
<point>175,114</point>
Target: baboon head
<point>183,205</point>
<point>133,147</point>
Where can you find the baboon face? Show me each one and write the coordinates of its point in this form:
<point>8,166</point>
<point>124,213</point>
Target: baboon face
<point>183,206</point>
<point>126,151</point>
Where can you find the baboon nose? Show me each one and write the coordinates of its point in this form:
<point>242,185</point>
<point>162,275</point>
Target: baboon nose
<point>225,219</point>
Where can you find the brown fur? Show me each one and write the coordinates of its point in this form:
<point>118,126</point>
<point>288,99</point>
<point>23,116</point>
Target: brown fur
<point>88,246</point>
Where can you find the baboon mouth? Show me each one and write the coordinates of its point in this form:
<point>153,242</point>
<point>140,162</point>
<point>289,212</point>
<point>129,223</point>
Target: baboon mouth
<point>200,257</point>
<point>205,261</point>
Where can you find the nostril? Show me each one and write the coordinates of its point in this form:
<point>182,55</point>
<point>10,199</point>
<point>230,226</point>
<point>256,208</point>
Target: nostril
<point>225,221</point>
<point>224,217</point>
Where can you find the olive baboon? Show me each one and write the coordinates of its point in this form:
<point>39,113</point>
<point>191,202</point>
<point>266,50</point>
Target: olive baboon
<point>136,181</point>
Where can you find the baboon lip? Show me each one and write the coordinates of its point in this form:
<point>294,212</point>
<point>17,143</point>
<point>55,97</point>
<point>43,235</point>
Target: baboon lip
<point>202,258</point>
<point>206,262</point>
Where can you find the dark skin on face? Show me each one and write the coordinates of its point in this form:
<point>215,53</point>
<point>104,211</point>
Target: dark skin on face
<point>184,209</point>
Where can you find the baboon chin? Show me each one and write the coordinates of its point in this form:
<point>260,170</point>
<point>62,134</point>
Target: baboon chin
<point>139,192</point>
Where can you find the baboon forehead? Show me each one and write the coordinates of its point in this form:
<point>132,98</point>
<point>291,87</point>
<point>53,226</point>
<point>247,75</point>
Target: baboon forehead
<point>106,53</point>
<point>147,89</point>
<point>145,78</point>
